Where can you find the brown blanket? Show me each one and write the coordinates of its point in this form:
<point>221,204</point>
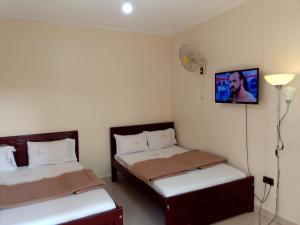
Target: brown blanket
<point>48,189</point>
<point>158,168</point>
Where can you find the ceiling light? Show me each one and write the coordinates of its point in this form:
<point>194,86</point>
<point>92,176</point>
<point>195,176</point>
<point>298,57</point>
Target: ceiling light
<point>127,7</point>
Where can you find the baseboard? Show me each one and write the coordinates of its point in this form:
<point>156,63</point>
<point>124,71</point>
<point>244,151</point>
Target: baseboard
<point>269,215</point>
<point>108,177</point>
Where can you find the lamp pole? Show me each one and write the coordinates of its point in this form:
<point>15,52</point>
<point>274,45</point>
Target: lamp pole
<point>278,126</point>
<point>279,80</point>
<point>280,145</point>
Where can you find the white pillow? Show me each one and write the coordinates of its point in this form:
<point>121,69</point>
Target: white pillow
<point>161,138</point>
<point>51,152</point>
<point>7,159</point>
<point>131,143</point>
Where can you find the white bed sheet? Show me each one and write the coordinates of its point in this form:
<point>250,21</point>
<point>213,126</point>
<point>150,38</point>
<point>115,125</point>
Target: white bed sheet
<point>25,174</point>
<point>197,179</point>
<point>54,211</point>
<point>187,182</point>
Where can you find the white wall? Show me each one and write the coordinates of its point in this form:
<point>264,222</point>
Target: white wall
<point>261,34</point>
<point>56,77</point>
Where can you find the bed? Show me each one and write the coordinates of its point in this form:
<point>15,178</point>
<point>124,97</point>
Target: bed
<point>94,207</point>
<point>204,204</point>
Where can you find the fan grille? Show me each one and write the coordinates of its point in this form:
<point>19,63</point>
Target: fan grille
<point>189,58</point>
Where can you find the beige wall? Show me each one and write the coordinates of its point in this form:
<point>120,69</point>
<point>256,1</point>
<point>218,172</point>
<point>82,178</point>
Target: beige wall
<point>57,77</point>
<point>261,34</point>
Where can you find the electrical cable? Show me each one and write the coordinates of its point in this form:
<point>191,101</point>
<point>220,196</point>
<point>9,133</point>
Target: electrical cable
<point>263,201</point>
<point>264,198</point>
<point>247,149</point>
<point>278,161</point>
<point>279,126</point>
<point>277,193</point>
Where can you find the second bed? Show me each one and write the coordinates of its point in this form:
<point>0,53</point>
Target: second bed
<point>196,197</point>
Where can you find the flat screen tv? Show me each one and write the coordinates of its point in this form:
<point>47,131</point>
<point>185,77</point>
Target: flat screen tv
<point>240,86</point>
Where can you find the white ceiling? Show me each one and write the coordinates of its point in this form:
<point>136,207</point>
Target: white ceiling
<point>165,17</point>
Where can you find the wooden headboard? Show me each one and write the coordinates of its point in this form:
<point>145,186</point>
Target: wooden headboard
<point>128,130</point>
<point>20,143</point>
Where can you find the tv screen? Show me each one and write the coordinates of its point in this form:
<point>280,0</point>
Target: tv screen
<point>240,86</point>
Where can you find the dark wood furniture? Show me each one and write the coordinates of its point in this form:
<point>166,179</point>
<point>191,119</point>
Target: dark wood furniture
<point>201,207</point>
<point>111,217</point>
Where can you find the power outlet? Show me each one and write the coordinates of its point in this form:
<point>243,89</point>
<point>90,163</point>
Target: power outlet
<point>268,180</point>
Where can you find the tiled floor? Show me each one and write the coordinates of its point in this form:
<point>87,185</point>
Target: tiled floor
<point>140,210</point>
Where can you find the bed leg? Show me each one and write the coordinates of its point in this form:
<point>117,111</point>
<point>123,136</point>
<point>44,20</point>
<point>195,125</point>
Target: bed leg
<point>114,174</point>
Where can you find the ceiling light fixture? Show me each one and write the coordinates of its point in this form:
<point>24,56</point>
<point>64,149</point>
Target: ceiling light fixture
<point>127,7</point>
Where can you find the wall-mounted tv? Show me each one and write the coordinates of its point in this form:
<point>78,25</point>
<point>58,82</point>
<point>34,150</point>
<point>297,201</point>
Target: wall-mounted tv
<point>240,86</point>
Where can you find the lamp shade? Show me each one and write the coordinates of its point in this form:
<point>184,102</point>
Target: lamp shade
<point>279,79</point>
<point>289,93</point>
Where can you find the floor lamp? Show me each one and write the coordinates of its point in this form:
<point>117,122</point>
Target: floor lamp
<point>279,80</point>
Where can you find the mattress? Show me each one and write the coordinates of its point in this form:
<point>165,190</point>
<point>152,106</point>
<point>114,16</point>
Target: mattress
<point>54,211</point>
<point>187,182</point>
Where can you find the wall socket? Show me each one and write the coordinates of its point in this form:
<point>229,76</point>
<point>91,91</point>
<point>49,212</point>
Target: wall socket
<point>268,180</point>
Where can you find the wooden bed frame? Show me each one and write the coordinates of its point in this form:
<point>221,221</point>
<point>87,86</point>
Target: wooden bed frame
<point>201,207</point>
<point>111,217</point>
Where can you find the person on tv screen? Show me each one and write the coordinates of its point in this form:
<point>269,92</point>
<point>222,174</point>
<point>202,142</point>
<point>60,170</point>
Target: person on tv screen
<point>239,88</point>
